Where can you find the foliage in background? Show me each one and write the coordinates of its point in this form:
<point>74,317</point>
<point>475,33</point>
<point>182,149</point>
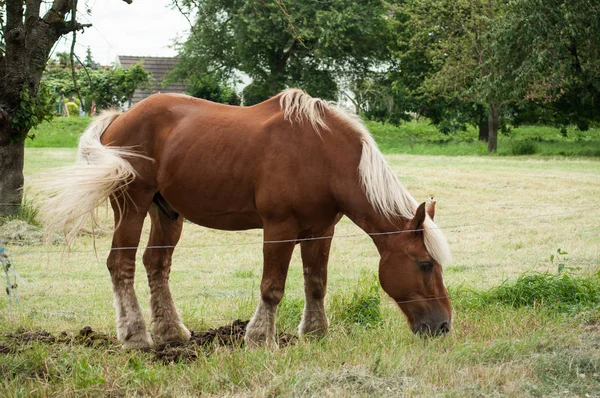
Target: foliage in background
<point>489,64</point>
<point>447,63</point>
<point>553,49</point>
<point>107,86</point>
<point>208,86</point>
<point>525,147</point>
<point>277,44</point>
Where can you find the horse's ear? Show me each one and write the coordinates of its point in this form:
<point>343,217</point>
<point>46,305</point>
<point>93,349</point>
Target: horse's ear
<point>431,209</point>
<point>419,218</point>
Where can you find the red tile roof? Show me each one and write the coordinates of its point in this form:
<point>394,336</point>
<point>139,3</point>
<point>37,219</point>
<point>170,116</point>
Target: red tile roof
<point>159,67</point>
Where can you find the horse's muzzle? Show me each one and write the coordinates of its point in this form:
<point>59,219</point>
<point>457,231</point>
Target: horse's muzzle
<point>432,328</point>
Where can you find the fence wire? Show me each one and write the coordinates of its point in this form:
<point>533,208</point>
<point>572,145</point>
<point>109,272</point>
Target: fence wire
<point>456,227</point>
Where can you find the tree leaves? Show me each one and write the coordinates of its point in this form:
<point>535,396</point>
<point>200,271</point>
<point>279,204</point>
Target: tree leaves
<point>278,44</point>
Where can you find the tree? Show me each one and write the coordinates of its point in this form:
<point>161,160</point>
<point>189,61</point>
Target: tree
<point>89,60</point>
<point>209,87</point>
<point>446,54</point>
<point>281,43</point>
<point>553,49</point>
<point>27,35</point>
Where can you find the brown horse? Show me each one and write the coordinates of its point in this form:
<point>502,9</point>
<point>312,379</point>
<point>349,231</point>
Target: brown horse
<point>292,165</point>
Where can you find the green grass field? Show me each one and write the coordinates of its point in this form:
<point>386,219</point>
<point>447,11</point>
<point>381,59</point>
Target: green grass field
<point>520,327</point>
<point>417,138</point>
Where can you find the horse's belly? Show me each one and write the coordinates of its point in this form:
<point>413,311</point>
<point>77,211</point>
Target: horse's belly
<point>228,222</point>
<point>213,207</point>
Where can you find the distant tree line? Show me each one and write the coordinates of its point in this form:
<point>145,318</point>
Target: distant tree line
<point>457,62</point>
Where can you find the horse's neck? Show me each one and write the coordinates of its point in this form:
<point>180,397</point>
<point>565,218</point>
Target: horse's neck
<point>377,227</point>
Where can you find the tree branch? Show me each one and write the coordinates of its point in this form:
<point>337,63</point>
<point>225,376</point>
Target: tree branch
<point>181,11</point>
<point>58,11</point>
<point>73,74</point>
<point>32,11</point>
<point>70,26</point>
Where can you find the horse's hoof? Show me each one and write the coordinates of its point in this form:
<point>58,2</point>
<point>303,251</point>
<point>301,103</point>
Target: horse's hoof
<point>173,334</point>
<point>260,340</point>
<point>138,343</point>
<point>316,334</point>
<point>315,328</point>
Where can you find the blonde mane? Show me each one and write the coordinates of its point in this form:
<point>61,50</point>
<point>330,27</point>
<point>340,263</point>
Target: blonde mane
<point>383,189</point>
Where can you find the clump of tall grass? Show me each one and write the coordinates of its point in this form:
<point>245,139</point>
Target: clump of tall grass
<point>524,147</point>
<point>562,292</point>
<point>361,308</point>
<point>27,212</point>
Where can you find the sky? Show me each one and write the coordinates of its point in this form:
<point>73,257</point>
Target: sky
<point>145,27</point>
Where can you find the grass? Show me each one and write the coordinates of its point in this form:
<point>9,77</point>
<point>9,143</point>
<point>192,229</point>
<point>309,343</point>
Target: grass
<point>27,213</point>
<point>417,137</point>
<point>520,328</point>
<point>422,138</point>
<point>561,293</point>
<point>61,132</point>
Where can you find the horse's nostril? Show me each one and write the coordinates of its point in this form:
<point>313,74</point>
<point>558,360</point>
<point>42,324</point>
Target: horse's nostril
<point>444,327</point>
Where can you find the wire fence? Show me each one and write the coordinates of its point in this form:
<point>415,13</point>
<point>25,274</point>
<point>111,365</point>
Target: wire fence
<point>328,237</point>
<point>590,212</point>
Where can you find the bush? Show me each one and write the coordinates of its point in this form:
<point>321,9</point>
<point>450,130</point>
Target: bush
<point>526,147</point>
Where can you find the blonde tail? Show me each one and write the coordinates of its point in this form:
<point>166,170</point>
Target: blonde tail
<point>71,194</point>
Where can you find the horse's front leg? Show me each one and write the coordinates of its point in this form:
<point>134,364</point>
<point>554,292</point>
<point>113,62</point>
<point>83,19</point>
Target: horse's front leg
<point>315,255</point>
<point>261,329</point>
<point>164,320</point>
<point>131,328</point>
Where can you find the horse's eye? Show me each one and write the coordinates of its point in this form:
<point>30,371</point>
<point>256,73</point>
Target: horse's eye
<point>426,265</point>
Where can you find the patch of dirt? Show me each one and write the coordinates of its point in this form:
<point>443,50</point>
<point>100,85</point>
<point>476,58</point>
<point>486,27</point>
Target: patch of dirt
<point>201,343</point>
<point>4,349</point>
<point>86,336</point>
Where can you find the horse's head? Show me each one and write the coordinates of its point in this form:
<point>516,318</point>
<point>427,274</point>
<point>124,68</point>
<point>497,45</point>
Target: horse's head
<point>411,275</point>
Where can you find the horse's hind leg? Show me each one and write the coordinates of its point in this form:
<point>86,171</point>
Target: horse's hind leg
<point>315,255</point>
<point>165,321</point>
<point>131,328</point>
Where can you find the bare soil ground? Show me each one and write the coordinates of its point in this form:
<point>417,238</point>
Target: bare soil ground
<point>201,342</point>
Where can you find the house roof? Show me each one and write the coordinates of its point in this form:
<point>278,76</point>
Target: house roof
<point>159,67</point>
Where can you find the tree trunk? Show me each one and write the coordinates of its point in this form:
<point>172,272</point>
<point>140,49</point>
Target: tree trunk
<point>28,39</point>
<point>483,129</point>
<point>493,124</point>
<point>11,175</point>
